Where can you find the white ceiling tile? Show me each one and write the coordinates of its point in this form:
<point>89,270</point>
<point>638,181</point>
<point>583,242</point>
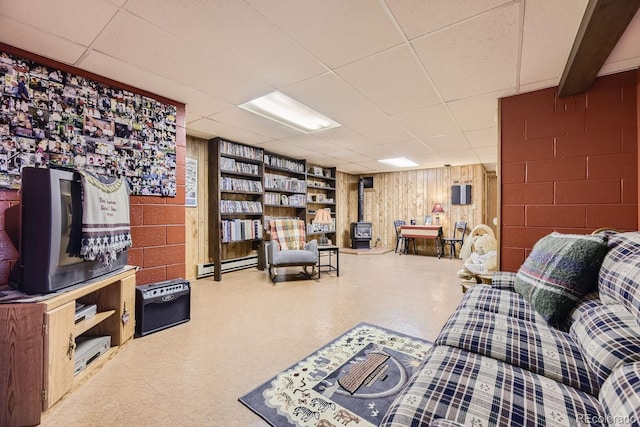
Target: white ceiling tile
<point>25,37</point>
<point>382,129</point>
<point>393,80</point>
<point>137,42</point>
<point>236,116</point>
<point>475,58</point>
<point>335,31</point>
<point>281,147</point>
<point>543,84</point>
<point>251,42</point>
<point>449,142</point>
<point>463,157</point>
<point>311,143</point>
<point>427,122</point>
<point>330,95</point>
<point>418,17</point>
<point>196,101</point>
<point>345,137</point>
<point>210,127</point>
<point>353,168</point>
<point>347,156</point>
<point>477,112</point>
<point>487,137</point>
<point>487,154</point>
<point>550,27</point>
<point>77,20</point>
<point>628,49</point>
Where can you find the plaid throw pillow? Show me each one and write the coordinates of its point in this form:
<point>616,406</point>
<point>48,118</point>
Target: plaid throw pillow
<point>559,271</point>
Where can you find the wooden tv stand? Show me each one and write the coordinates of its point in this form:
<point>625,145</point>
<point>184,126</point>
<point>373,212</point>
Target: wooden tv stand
<point>37,343</point>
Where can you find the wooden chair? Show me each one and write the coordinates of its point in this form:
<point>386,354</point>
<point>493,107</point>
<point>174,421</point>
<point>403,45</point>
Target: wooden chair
<point>403,242</point>
<point>459,231</point>
<point>288,247</point>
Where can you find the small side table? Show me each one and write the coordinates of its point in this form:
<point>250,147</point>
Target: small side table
<point>330,250</point>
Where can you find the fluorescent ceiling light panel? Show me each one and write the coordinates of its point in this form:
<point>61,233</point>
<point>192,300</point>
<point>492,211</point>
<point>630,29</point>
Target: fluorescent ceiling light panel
<point>280,108</point>
<point>399,162</point>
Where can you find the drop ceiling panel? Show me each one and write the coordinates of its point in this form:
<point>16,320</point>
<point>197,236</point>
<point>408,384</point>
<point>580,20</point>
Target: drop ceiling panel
<point>213,128</point>
<point>79,20</point>
<point>487,155</point>
<point>477,112</point>
<point>353,168</point>
<point>550,27</point>
<point>628,48</point>
<point>251,42</point>
<point>382,129</point>
<point>139,43</point>
<point>483,137</point>
<point>335,31</point>
<point>394,80</point>
<point>312,143</point>
<point>281,147</point>
<point>418,17</point>
<point>347,156</point>
<point>243,119</point>
<point>427,122</point>
<point>456,158</point>
<point>330,95</point>
<point>475,58</point>
<point>345,137</point>
<point>39,42</point>
<point>449,142</point>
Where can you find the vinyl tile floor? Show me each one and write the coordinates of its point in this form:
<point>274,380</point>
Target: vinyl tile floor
<point>244,330</point>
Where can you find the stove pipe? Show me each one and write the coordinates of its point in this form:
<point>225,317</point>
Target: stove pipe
<point>361,200</point>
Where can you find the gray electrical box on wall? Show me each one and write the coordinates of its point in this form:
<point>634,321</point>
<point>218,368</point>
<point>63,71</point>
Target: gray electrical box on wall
<point>461,194</point>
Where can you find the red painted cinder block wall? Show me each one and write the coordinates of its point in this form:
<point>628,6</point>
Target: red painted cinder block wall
<point>568,164</point>
<point>157,223</point>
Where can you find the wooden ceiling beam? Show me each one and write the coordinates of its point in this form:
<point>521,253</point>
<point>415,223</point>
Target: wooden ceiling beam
<point>602,25</point>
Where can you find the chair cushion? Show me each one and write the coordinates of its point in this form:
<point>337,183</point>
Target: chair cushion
<point>560,270</point>
<point>476,390</point>
<point>289,233</point>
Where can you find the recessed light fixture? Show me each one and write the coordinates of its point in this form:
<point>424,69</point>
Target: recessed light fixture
<point>287,111</point>
<point>399,162</point>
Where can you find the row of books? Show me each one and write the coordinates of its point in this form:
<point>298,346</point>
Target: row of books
<point>237,184</point>
<point>279,162</point>
<point>279,182</point>
<point>240,206</point>
<point>230,165</point>
<point>318,228</point>
<point>238,150</point>
<point>295,200</point>
<point>241,229</point>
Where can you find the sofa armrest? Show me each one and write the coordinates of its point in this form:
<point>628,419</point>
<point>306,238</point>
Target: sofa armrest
<point>503,280</point>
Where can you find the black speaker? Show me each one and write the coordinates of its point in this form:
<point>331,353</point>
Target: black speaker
<point>460,194</point>
<point>162,305</point>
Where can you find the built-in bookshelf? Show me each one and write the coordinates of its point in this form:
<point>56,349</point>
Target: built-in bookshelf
<point>321,194</point>
<point>285,186</point>
<point>247,187</point>
<point>236,204</point>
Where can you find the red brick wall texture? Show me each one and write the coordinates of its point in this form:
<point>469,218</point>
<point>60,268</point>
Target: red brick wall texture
<point>568,164</point>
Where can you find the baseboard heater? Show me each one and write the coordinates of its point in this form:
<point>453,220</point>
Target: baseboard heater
<point>234,264</point>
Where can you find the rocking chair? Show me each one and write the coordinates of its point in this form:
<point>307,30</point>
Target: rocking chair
<point>289,249</point>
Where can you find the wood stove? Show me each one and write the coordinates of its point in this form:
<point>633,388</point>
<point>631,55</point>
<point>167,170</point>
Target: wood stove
<point>360,232</point>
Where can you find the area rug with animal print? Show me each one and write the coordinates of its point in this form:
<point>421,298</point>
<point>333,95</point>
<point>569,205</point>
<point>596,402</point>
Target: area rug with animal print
<point>352,380</point>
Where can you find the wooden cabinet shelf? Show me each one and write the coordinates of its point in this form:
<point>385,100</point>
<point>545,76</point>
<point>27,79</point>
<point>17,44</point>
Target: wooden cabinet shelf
<point>38,342</point>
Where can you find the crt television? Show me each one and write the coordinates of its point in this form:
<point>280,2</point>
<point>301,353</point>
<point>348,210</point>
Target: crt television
<point>50,234</point>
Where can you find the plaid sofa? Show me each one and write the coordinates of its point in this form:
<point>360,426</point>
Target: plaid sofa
<point>497,362</point>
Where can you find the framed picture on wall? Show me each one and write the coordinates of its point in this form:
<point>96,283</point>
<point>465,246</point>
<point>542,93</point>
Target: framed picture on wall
<point>428,220</point>
<point>191,182</point>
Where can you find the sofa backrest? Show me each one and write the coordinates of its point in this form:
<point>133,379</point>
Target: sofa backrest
<point>619,278</point>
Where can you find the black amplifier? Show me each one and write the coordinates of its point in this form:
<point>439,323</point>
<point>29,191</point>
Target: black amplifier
<point>162,305</point>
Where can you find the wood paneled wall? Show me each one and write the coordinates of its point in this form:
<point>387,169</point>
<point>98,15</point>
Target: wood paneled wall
<point>396,195</point>
<point>411,195</point>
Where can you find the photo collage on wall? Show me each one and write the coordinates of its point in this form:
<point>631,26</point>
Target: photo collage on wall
<point>51,118</point>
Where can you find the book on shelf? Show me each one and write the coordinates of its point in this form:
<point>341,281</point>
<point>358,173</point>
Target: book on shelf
<point>237,184</point>
<point>284,183</point>
<point>239,150</point>
<point>240,206</point>
<point>282,163</point>
<point>231,165</point>
<point>241,229</point>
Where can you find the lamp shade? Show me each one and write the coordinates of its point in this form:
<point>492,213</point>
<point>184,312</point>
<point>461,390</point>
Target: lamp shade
<point>323,216</point>
<point>437,208</point>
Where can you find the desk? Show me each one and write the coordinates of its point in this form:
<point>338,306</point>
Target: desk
<point>433,232</point>
<point>330,249</point>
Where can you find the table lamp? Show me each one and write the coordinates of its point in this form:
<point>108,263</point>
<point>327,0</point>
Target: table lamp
<point>323,217</point>
<point>437,209</point>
